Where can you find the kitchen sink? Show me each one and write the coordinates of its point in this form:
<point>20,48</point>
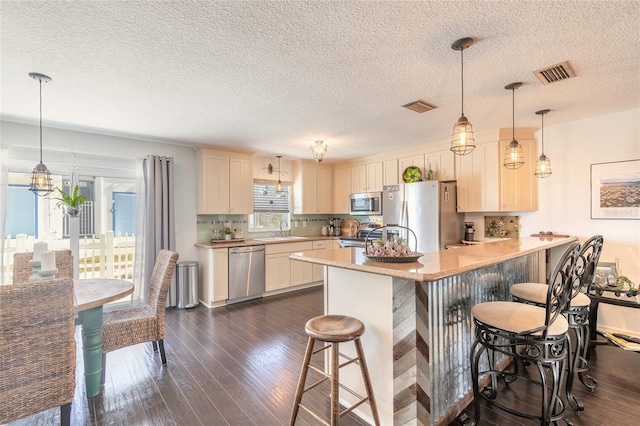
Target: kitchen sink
<point>291,238</point>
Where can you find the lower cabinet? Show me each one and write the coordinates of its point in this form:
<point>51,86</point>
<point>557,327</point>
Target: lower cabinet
<point>280,271</point>
<point>214,276</point>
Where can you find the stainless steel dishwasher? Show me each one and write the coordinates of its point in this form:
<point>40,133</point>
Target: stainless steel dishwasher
<point>246,273</point>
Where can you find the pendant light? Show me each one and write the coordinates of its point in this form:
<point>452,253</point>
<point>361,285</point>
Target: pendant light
<point>513,157</point>
<point>543,165</point>
<point>318,150</point>
<point>462,140</point>
<point>40,177</point>
<point>279,186</point>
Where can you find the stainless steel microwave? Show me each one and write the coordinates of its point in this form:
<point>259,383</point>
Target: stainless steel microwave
<point>366,203</point>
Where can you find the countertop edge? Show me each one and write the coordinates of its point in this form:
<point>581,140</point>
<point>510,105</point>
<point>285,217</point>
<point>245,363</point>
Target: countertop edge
<point>426,269</point>
<point>255,242</point>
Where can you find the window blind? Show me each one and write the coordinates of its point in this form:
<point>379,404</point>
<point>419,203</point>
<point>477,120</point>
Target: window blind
<point>265,198</point>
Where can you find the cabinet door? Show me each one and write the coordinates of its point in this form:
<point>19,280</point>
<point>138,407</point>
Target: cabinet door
<point>478,179</point>
<point>317,273</point>
<point>519,187</point>
<point>277,271</point>
<point>213,198</point>
<point>374,177</point>
<point>358,179</point>
<point>309,190</point>
<point>442,164</point>
<point>341,190</point>
<point>325,196</point>
<point>240,190</point>
<point>220,274</point>
<point>390,172</point>
<point>415,161</point>
<point>301,272</point>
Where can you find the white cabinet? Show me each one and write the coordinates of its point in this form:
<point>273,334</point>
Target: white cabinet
<point>318,270</point>
<point>374,177</point>
<point>312,188</point>
<point>366,178</point>
<point>359,179</point>
<point>224,182</point>
<point>485,185</point>
<point>214,276</point>
<point>390,173</point>
<point>341,190</point>
<point>413,161</point>
<point>282,272</point>
<point>442,163</point>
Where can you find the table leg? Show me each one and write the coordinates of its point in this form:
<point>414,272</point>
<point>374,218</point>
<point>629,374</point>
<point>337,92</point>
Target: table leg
<point>91,320</point>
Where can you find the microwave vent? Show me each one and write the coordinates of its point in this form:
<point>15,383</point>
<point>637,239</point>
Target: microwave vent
<point>419,106</point>
<point>555,73</point>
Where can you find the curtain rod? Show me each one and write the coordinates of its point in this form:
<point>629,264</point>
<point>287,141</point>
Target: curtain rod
<point>74,151</point>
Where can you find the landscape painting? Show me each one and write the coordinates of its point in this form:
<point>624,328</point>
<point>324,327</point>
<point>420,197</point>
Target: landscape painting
<point>615,190</point>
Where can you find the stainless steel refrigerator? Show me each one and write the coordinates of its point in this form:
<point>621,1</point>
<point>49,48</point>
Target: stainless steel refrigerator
<point>427,208</point>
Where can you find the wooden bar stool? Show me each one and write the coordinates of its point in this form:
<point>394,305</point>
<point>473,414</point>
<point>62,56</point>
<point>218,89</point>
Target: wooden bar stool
<point>334,329</point>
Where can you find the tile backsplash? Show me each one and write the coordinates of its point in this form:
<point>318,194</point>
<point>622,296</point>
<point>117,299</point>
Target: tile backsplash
<point>502,226</point>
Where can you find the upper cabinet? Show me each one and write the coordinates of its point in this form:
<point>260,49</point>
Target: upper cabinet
<point>366,178</point>
<point>312,188</point>
<point>342,190</point>
<point>485,185</point>
<point>413,161</point>
<point>224,182</point>
<point>442,164</point>
<point>390,173</point>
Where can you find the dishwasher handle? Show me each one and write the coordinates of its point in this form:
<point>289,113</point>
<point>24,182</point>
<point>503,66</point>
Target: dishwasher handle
<point>246,249</point>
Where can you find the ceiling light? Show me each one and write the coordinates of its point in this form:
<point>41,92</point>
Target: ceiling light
<point>513,157</point>
<point>279,186</point>
<point>543,165</point>
<point>462,141</point>
<point>318,150</point>
<point>40,177</point>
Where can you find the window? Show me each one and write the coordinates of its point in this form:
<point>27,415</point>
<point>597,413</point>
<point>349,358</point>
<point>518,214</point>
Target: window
<point>22,213</point>
<point>270,208</point>
<point>124,213</point>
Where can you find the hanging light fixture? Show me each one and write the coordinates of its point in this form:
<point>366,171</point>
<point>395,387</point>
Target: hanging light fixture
<point>462,141</point>
<point>543,165</point>
<point>513,157</point>
<point>318,150</point>
<point>279,185</point>
<point>40,177</point>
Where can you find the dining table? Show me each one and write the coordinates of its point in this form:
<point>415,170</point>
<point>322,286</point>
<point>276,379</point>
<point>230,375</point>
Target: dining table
<point>91,294</point>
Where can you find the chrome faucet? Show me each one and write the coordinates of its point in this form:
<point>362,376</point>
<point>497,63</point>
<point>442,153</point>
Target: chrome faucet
<point>286,226</point>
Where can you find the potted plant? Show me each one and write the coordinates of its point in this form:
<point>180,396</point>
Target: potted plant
<point>228,233</point>
<point>70,202</point>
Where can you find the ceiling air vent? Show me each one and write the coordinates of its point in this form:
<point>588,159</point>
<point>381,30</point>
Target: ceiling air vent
<point>555,73</point>
<point>419,106</point>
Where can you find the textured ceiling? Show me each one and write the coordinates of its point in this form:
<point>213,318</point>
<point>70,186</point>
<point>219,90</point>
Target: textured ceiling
<point>272,77</point>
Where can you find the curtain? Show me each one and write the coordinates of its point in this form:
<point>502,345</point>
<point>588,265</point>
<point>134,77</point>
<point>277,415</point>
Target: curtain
<point>155,227</point>
<point>4,185</point>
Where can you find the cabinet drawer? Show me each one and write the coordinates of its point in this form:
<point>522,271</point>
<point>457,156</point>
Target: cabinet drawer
<point>288,247</point>
<point>319,245</point>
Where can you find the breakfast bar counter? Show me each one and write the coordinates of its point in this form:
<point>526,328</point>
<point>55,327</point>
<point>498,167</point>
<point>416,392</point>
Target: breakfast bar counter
<point>417,318</point>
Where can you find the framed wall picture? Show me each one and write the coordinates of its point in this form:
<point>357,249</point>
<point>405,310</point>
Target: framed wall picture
<point>606,274</point>
<point>615,190</point>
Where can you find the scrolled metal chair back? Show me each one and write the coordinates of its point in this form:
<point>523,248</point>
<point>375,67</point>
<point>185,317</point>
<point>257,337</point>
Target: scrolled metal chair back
<point>586,264</point>
<point>562,280</point>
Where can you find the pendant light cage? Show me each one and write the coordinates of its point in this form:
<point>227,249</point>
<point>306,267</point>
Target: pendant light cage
<point>543,165</point>
<point>279,189</point>
<point>462,139</point>
<point>41,184</point>
<point>513,156</point>
<point>318,150</point>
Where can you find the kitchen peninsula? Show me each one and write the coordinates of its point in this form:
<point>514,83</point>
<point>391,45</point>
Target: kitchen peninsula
<point>417,317</point>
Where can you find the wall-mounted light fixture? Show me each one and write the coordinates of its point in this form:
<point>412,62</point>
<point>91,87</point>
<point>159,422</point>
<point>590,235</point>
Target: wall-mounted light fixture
<point>462,140</point>
<point>40,176</point>
<point>513,157</point>
<point>318,150</point>
<point>543,165</point>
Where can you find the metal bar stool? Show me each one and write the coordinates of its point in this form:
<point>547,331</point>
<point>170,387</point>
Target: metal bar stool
<point>577,313</point>
<point>334,329</point>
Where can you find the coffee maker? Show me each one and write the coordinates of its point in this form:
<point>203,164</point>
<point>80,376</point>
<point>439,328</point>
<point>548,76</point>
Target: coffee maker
<point>469,232</point>
<point>334,226</point>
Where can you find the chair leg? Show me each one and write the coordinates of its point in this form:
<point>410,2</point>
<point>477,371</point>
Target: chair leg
<point>573,359</point>
<point>162,354</point>
<point>301,381</point>
<point>103,373</point>
<point>335,382</point>
<point>367,382</point>
<point>475,361</point>
<point>586,379</point>
<point>65,415</point>
<point>155,346</point>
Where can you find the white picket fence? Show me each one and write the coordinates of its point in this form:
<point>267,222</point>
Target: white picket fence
<point>107,256</point>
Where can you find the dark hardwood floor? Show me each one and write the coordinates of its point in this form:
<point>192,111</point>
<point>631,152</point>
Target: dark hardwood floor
<point>239,365</point>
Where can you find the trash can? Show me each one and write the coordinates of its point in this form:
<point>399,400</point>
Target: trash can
<point>187,283</point>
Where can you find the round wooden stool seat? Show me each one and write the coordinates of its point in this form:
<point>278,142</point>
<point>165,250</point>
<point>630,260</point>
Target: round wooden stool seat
<point>334,328</point>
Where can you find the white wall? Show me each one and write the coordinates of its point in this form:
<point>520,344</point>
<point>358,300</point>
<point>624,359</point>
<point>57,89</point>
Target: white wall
<point>109,153</point>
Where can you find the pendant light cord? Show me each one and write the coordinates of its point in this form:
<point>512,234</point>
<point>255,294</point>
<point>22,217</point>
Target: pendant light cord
<point>513,113</point>
<point>40,80</point>
<point>542,133</point>
<point>462,78</point>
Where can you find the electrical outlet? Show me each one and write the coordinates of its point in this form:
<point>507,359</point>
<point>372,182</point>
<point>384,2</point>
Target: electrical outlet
<point>295,223</point>
<point>304,223</point>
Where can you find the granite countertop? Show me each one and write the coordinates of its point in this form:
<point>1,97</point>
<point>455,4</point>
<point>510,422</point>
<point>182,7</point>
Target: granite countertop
<point>263,241</point>
<point>435,265</point>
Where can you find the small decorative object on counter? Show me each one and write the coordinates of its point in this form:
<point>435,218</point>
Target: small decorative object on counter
<point>228,233</point>
<point>390,251</point>
<point>430,174</point>
<point>216,234</point>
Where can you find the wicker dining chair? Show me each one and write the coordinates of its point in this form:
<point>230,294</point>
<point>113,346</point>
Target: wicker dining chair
<point>130,326</point>
<point>22,270</point>
<point>37,349</point>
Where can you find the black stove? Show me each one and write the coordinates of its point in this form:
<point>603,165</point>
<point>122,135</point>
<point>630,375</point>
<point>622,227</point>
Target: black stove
<point>359,241</point>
